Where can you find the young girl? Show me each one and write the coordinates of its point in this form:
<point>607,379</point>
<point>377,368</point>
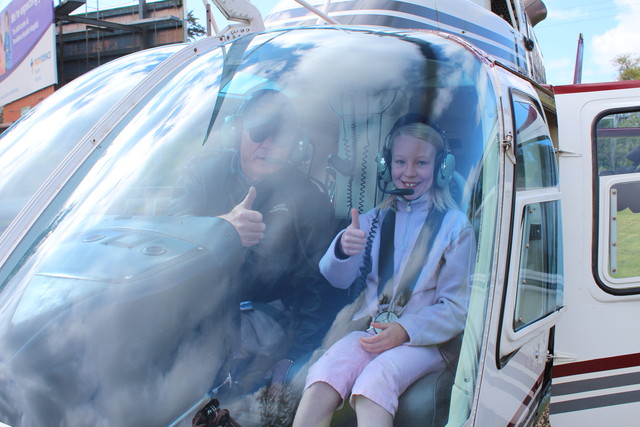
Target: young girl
<point>421,303</point>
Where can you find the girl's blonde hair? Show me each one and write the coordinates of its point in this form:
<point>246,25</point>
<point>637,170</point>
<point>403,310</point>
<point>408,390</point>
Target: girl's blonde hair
<point>441,196</point>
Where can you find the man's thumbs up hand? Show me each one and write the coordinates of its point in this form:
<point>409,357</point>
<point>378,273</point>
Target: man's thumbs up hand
<point>248,223</point>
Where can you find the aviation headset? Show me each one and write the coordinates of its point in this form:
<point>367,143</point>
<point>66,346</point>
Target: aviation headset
<point>273,121</point>
<point>445,163</point>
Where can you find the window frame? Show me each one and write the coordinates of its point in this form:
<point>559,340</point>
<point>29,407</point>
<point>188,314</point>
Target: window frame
<point>519,96</point>
<point>601,227</point>
<point>511,340</point>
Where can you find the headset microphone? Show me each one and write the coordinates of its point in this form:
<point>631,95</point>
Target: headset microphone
<point>397,191</point>
<point>400,192</point>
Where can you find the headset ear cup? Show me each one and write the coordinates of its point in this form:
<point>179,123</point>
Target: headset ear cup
<point>444,168</point>
<point>301,151</point>
<point>383,160</point>
<point>231,132</point>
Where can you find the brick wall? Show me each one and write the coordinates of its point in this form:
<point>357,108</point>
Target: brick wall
<point>13,110</point>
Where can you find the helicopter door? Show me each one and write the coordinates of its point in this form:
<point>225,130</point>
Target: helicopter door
<point>596,374</point>
<point>533,294</point>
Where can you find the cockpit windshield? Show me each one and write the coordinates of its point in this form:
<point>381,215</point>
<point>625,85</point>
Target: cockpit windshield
<point>33,149</point>
<point>201,255</point>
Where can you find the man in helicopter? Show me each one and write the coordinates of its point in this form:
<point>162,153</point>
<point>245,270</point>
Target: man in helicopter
<point>283,219</point>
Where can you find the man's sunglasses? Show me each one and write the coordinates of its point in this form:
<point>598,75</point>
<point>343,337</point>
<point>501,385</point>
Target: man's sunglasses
<point>260,133</point>
<point>281,132</point>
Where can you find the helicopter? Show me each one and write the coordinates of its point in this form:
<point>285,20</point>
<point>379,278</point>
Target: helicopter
<point>108,301</point>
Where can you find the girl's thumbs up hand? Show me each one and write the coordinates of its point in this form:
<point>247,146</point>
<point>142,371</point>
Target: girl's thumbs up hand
<point>353,240</point>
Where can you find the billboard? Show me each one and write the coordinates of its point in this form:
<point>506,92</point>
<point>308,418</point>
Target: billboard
<point>27,48</point>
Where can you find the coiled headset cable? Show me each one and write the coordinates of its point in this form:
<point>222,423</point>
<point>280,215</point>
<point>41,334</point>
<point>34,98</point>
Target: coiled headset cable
<point>360,283</point>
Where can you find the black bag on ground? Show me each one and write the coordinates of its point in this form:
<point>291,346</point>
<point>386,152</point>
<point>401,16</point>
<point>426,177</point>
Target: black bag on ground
<point>212,416</point>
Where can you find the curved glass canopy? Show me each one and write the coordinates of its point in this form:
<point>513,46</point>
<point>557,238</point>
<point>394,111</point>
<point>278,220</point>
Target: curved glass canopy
<point>36,145</point>
<point>126,309</point>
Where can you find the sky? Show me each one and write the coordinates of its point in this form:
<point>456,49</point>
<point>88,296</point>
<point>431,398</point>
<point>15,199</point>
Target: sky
<point>609,29</point>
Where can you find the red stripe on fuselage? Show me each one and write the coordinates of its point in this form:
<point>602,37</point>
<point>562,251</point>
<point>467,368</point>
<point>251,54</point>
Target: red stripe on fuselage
<point>525,403</point>
<point>597,365</point>
<point>595,87</point>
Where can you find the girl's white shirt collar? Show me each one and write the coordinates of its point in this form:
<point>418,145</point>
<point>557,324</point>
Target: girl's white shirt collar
<point>404,205</point>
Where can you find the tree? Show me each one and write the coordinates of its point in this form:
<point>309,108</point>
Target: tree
<point>628,67</point>
<point>194,29</point>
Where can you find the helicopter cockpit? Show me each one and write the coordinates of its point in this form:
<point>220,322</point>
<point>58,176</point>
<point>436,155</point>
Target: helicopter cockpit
<point>114,313</point>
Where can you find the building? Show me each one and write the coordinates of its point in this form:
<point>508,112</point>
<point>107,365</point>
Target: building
<point>88,40</point>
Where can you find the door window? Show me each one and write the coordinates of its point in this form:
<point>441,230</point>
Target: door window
<point>535,156</point>
<point>617,160</point>
<point>539,290</point>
